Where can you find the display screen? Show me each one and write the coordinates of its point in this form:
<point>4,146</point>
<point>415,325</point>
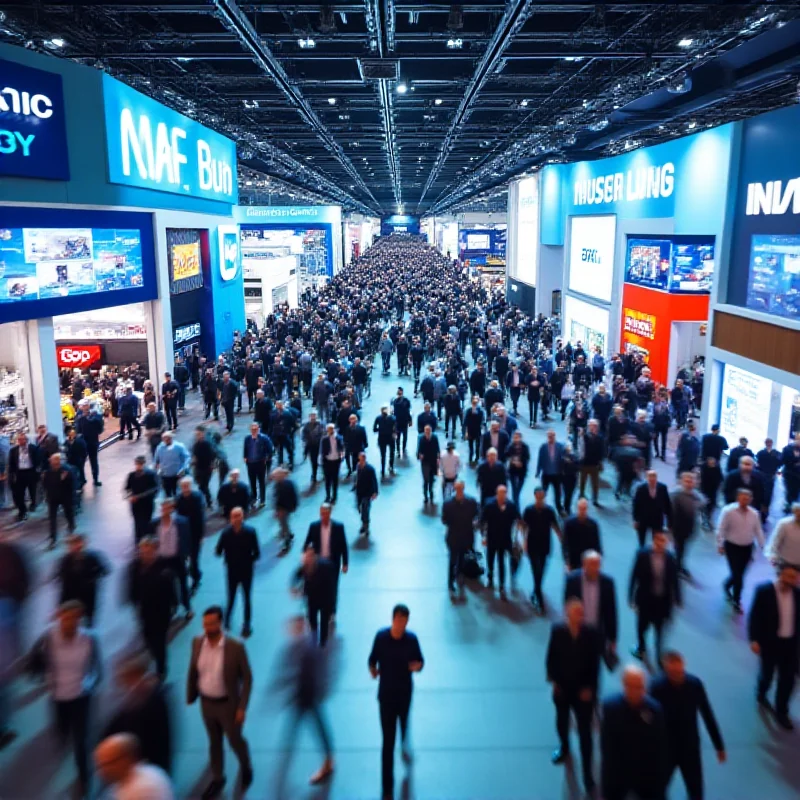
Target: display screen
<point>478,241</point>
<point>527,248</point>
<point>185,260</point>
<point>585,323</point>
<point>774,281</point>
<point>591,256</point>
<point>745,402</point>
<point>677,264</point>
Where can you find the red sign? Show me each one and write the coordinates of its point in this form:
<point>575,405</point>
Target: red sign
<point>82,356</point>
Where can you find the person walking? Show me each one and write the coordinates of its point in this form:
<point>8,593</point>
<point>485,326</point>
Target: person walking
<point>171,461</point>
<point>238,544</point>
<point>687,508</point>
<point>518,457</point>
<point>428,452</point>
<point>189,505</point>
<point>474,421</point>
<point>573,669</point>
<point>257,456</point>
<point>769,461</point>
<point>128,410</point>
<point>169,400</point>
<point>24,461</point>
<point>366,490</point>
<point>738,528</point>
<point>316,579</point>
<point>312,434</point>
<point>774,633</point>
<point>581,533</point>
<point>355,443</point>
<point>784,544</point>
<point>174,544</point>
<point>229,394</point>
<point>591,461</point>
<point>328,540</point>
<point>460,514</point>
<point>683,697</point>
<point>450,468</point>
<point>490,474</point>
<point>126,774</point>
<point>499,520</point>
<point>385,426</point>
<point>78,574</point>
<point>538,520</point>
<point>453,411</point>
<point>651,507</point>
<point>653,592</point>
<point>59,487</point>
<point>394,658</point>
<point>203,458</point>
<point>89,423</point>
<point>548,467</point>
<point>141,488</point>
<point>220,676</point>
<point>286,501</point>
<point>401,407</point>
<point>332,451</point>
<point>154,423</point>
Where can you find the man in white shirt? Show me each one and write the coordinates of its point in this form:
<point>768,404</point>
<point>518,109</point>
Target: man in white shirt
<point>449,466</point>
<point>128,777</point>
<point>784,546</point>
<point>739,526</point>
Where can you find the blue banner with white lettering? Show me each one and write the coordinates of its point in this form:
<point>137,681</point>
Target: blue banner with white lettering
<point>154,147</point>
<point>33,137</point>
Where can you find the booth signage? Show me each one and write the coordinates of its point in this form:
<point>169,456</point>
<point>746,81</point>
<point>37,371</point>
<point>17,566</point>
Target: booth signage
<point>154,147</point>
<point>773,197</point>
<point>642,183</point>
<point>639,324</point>
<point>78,356</point>
<point>186,333</point>
<point>185,261</point>
<point>33,137</point>
<point>228,252</point>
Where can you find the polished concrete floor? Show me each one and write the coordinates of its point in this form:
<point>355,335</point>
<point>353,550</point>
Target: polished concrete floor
<point>482,718</point>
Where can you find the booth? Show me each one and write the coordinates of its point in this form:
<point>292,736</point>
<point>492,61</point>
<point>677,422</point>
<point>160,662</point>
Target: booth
<point>110,213</point>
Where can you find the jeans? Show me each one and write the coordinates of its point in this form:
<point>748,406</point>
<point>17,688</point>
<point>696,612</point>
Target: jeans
<point>364,504</point>
<point>170,484</point>
<point>657,617</point>
<point>454,567</point>
<point>516,479</point>
<point>538,565</point>
<point>448,418</point>
<point>320,722</point>
<point>555,482</point>
<point>392,709</point>
<point>387,361</point>
<point>495,549</point>
<point>171,413</point>
<point>203,478</point>
<point>689,763</point>
<point>257,474</point>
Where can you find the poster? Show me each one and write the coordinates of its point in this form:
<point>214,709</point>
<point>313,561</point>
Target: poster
<point>185,261</point>
<point>591,256</point>
<point>744,410</point>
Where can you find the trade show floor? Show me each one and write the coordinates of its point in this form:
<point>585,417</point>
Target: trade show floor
<point>482,719</point>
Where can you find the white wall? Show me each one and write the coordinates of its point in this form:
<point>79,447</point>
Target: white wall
<point>551,274</point>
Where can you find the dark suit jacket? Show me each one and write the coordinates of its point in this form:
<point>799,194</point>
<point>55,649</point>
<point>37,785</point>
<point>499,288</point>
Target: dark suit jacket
<point>355,438</point>
<point>13,460</point>
<point>649,511</point>
<point>580,537</point>
<point>236,669</point>
<point>573,587</point>
<point>734,482</point>
<point>366,482</point>
<point>326,445</point>
<point>640,588</point>
<point>502,444</point>
<point>763,623</point>
<point>339,553</point>
<point>544,463</point>
<point>573,663</point>
<point>184,532</point>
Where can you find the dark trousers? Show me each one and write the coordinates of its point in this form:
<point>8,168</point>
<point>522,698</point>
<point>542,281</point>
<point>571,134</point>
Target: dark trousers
<point>386,446</point>
<point>72,722</point>
<point>782,657</point>
<point>171,413</point>
<point>428,477</point>
<point>565,702</point>
<point>657,617</point>
<point>661,438</point>
<point>69,513</point>
<point>474,446</point>
<point>169,483</point>
<point>691,768</point>
<point>496,549</point>
<point>319,619</point>
<point>257,473</point>
<point>514,391</point>
<point>128,424</point>
<point>568,483</point>
<point>393,709</point>
<point>769,491</point>
<point>538,566</point>
<point>154,633</point>
<point>593,474</point>
<point>516,479</point>
<point>182,395</point>
<point>26,481</point>
<point>387,361</point>
<point>227,407</point>
<point>643,527</point>
<point>448,418</point>
<point>402,438</point>
<point>141,524</point>
<point>251,397</point>
<point>194,560</point>
<point>364,504</point>
<point>319,721</point>
<point>178,566</point>
<point>284,443</point>
<point>738,556</point>
<point>330,469</point>
<point>313,459</point>
<point>92,452</point>
<point>455,566</point>
<point>220,719</point>
<point>533,410</point>
<point>351,458</point>
<point>209,407</point>
<point>235,580</point>
<point>203,478</point>
<point>555,482</point>
<point>681,540</point>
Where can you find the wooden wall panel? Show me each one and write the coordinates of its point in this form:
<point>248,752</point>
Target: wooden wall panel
<point>770,344</point>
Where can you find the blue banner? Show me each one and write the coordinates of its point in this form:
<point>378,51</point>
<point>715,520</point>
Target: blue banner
<point>301,214</point>
<point>154,147</point>
<point>33,137</point>
<point>399,223</point>
<point>482,241</point>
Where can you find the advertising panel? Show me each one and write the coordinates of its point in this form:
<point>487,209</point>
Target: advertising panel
<point>638,323</point>
<point>70,356</point>
<point>483,246</point>
<point>293,214</point>
<point>745,405</point>
<point>678,264</point>
<point>154,147</point>
<point>185,259</point>
<point>527,249</point>
<point>773,284</point>
<point>229,254</point>
<point>399,223</point>
<point>33,136</point>
<point>591,256</point>
<point>186,333</point>
<point>585,323</point>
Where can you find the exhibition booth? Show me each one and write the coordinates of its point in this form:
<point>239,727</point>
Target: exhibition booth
<point>358,232</point>
<point>522,252</point>
<point>634,238</point>
<point>110,245</point>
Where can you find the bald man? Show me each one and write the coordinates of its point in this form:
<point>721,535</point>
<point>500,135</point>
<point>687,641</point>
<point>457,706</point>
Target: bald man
<point>121,768</point>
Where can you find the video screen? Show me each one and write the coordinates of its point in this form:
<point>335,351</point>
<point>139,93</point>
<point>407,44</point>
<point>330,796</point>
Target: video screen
<point>478,241</point>
<point>773,285</point>
<point>44,263</point>
<point>680,265</point>
<point>186,272</point>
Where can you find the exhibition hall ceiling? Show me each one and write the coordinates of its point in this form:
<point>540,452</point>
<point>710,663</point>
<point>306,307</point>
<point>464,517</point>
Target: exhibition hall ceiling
<point>387,106</point>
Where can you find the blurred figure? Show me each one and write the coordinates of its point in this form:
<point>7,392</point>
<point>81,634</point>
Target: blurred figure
<point>68,658</point>
<point>141,489</point>
<point>315,579</point>
<point>219,674</point>
<point>328,540</point>
<point>305,679</point>
<point>189,505</point>
<point>144,711</point>
<point>174,544</point>
<point>238,543</point>
<point>121,767</point>
<point>687,508</point>
<point>59,487</point>
<point>233,494</point>
<point>286,502</point>
<point>78,574</point>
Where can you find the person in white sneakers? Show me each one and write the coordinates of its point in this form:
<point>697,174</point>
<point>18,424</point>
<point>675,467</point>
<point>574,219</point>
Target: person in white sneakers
<point>120,767</point>
<point>449,467</point>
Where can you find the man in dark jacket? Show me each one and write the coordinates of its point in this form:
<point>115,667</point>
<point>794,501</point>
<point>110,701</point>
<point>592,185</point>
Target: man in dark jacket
<point>654,590</point>
<point>76,454</point>
<point>257,455</point>
<point>651,507</point>
<point>286,501</point>
<point>385,426</point>
<point>581,533</point>
<point>232,494</point>
<point>459,514</point>
<point>426,417</point>
<point>89,423</point>
<point>573,668</point>
<point>24,461</point>
<point>401,407</point>
<point>229,394</point>
<point>366,490</point>
<point>311,435</point>
<point>355,443</point>
<point>768,461</point>
<point>169,399</point>
<point>745,477</point>
<point>499,519</point>
<point>591,464</point>
<point>79,573</point>
<point>128,409</point>
<point>452,411</point>
<point>490,474</point>
<point>474,420</point>
<point>428,451</point>
<point>738,453</point>
<point>495,438</point>
<point>315,579</point>
<point>682,697</point>
<point>189,505</point>
<point>283,427</point>
<point>328,540</point>
<point>59,488</point>
<point>262,412</point>
<point>538,520</point>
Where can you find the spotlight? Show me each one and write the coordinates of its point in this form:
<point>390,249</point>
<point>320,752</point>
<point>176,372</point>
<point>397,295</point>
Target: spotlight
<point>455,44</point>
<point>685,42</point>
<point>54,44</point>
<point>331,101</point>
<point>599,125</point>
<point>523,103</point>
<point>306,44</point>
<point>681,84</point>
<point>402,88</point>
<point>437,101</point>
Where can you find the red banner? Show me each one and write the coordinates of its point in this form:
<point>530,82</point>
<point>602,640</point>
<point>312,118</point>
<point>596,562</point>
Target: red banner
<point>78,356</point>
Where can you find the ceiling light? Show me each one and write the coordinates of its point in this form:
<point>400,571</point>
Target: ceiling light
<point>183,59</point>
<point>523,103</point>
<point>402,88</point>
<point>692,125</point>
<point>573,58</point>
<point>250,103</point>
<point>437,101</point>
<point>54,44</point>
<point>455,44</point>
<point>307,43</point>
<point>681,84</point>
<point>248,183</point>
<point>685,42</point>
<point>599,125</point>
<point>331,101</point>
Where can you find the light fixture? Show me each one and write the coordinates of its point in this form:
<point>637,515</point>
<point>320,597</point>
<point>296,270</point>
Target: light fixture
<point>680,84</point>
<point>248,183</point>
<point>573,58</point>
<point>250,104</point>
<point>523,103</point>
<point>692,125</point>
<point>307,43</point>
<point>685,42</point>
<point>455,44</point>
<point>183,59</point>
<point>437,101</point>
<point>54,44</point>
<point>599,124</point>
<point>402,88</point>
<point>331,101</point>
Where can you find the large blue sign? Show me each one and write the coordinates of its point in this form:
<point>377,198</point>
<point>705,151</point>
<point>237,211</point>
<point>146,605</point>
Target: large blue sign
<point>482,241</point>
<point>33,138</point>
<point>154,147</point>
<point>301,214</point>
<point>399,223</point>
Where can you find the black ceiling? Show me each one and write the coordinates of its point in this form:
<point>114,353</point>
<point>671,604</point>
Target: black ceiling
<point>521,83</point>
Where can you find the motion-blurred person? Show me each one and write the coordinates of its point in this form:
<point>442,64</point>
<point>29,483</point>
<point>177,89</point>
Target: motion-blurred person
<point>233,494</point>
<point>328,540</point>
<point>219,674</point>
<point>626,458</point>
<point>651,507</point>
<point>428,451</point>
<point>78,574</point>
<point>169,400</point>
<point>59,488</point>
<point>124,770</point>
<point>581,533</point>
<point>769,461</point>
<point>790,457</point>
<point>633,742</point>
<point>174,544</point>
<point>68,659</point>
<point>311,434</point>
<point>151,591</point>
<point>573,668</point>
<point>316,580</point>
<point>687,508</point>
<point>238,543</point>
<point>257,455</point>
<point>395,656</point>
<point>460,515</point>
<point>682,697</point>
<point>653,592</point>
<point>189,505</point>
<point>739,526</point>
<point>144,711</point>
<point>366,490</point>
<point>286,501</point>
<point>141,488</point>
<point>774,633</point>
<point>784,544</point>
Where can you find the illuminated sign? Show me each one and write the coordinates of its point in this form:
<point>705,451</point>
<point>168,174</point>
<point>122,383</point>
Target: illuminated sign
<point>639,324</point>
<point>228,252</point>
<point>78,356</point>
<point>186,333</point>
<point>154,147</point>
<point>185,261</point>
<point>773,197</point>
<point>33,138</point>
<point>642,183</point>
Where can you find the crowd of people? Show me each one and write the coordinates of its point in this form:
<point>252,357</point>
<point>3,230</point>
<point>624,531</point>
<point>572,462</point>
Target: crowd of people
<point>472,357</point>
